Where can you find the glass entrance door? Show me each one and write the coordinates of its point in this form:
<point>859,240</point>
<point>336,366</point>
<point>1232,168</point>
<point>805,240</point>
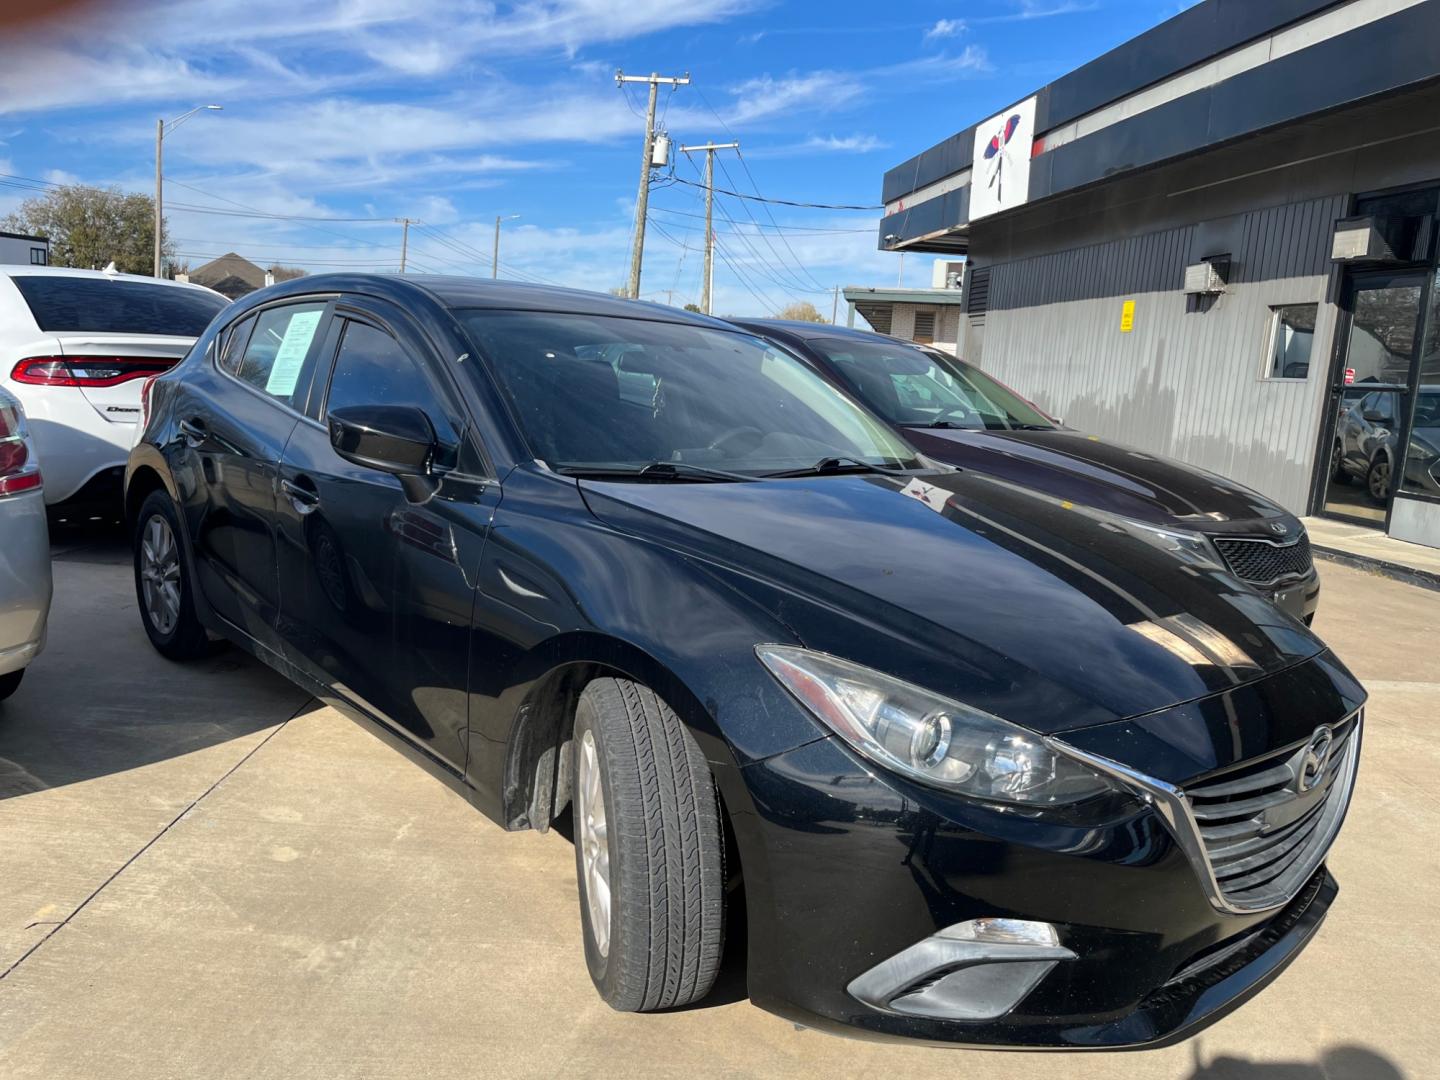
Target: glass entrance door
<point>1371,391</point>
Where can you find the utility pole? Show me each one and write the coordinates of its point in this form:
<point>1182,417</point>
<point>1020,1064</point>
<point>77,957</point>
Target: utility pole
<point>642,200</point>
<point>405,222</point>
<point>708,289</point>
<point>835,307</point>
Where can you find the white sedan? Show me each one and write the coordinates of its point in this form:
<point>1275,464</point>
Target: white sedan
<point>75,348</point>
<point>25,552</point>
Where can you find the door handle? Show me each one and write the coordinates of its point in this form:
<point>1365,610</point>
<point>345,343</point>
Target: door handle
<point>305,500</point>
<point>194,430</point>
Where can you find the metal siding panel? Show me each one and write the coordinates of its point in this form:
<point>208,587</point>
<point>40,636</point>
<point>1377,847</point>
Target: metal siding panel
<point>1185,385</point>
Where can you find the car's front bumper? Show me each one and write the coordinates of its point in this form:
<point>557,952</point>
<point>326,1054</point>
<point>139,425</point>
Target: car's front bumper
<point>846,867</point>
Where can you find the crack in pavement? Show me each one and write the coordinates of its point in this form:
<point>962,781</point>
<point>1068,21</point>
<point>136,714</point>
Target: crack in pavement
<point>61,924</point>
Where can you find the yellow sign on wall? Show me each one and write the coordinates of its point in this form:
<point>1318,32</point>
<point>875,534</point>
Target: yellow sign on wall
<point>1127,316</point>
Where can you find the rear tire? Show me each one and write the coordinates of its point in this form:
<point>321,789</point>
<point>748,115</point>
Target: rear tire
<point>648,851</point>
<point>10,682</point>
<point>163,582</point>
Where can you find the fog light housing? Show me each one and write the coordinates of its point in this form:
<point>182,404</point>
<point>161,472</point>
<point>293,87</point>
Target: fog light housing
<point>975,970</point>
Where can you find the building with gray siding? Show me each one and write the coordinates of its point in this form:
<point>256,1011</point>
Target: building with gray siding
<point>1218,242</point>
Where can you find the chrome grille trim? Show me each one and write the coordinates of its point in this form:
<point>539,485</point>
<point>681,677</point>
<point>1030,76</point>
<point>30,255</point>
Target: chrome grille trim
<point>1243,866</point>
<point>1259,561</point>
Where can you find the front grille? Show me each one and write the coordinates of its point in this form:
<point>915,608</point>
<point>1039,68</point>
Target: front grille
<point>1264,562</point>
<point>1264,827</point>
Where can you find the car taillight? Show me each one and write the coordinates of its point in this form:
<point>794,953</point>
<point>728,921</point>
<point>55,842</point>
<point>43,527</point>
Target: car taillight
<point>19,471</point>
<point>87,370</point>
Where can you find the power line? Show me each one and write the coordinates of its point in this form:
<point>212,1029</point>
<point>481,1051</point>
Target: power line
<point>780,202</point>
<point>798,230</point>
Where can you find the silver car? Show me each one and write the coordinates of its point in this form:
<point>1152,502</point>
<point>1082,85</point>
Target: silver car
<point>24,549</point>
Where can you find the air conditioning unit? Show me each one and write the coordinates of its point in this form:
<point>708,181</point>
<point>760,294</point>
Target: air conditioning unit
<point>1383,239</point>
<point>1208,276</point>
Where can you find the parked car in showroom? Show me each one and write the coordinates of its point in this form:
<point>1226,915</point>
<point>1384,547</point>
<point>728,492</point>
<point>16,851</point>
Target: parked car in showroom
<point>25,586</point>
<point>75,348</point>
<point>1367,442</point>
<point>956,413</point>
<point>975,765</point>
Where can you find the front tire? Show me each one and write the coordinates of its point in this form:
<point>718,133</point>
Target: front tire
<point>10,682</point>
<point>1377,480</point>
<point>648,850</point>
<point>163,582</point>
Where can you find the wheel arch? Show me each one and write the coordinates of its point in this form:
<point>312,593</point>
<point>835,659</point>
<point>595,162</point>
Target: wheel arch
<point>535,784</point>
<point>145,473</point>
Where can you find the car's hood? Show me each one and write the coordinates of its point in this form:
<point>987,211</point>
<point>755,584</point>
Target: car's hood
<point>1089,470</point>
<point>1053,617</point>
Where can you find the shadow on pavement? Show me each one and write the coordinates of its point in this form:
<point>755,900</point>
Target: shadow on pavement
<point>1337,1063</point>
<point>99,700</point>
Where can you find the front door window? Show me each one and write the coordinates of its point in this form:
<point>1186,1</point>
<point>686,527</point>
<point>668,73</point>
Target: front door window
<point>1372,395</point>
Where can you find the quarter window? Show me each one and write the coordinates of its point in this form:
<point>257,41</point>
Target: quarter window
<point>277,356</point>
<point>233,346</point>
<point>1292,338</point>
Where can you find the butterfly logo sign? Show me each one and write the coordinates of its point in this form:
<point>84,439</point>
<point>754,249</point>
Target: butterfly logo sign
<point>1000,172</point>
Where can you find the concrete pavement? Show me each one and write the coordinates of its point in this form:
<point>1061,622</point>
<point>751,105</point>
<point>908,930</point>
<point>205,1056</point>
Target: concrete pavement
<point>204,875</point>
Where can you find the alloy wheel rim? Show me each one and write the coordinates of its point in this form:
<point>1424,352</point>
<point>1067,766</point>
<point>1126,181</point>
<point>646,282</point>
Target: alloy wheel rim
<point>594,843</point>
<point>1380,480</point>
<point>160,574</point>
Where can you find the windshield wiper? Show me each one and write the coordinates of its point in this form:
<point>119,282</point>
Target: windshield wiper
<point>941,423</point>
<point>829,466</point>
<point>655,470</point>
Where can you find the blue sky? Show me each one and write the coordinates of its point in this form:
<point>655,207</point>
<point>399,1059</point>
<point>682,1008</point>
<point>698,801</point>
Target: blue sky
<point>458,110</point>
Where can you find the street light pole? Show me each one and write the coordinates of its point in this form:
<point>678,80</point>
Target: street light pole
<point>161,128</point>
<point>495,258</point>
<point>159,190</point>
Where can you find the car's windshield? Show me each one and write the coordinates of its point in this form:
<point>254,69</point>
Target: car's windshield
<point>912,387</point>
<point>598,392</point>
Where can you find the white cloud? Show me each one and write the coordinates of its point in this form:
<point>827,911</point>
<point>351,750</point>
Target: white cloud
<point>848,144</point>
<point>766,97</point>
<point>945,28</point>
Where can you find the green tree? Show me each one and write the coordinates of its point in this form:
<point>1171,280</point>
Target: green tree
<point>90,227</point>
<point>802,311</point>
<point>696,308</point>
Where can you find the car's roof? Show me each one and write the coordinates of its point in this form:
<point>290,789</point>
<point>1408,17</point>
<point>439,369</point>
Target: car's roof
<point>21,270</point>
<point>467,292</point>
<point>808,330</point>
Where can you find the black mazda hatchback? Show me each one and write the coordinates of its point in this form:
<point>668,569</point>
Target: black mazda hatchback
<point>958,414</point>
<point>972,764</point>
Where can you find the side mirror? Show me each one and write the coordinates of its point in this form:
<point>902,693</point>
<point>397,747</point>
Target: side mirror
<point>396,439</point>
<point>1375,416</point>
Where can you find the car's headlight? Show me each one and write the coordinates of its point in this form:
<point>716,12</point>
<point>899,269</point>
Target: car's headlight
<point>1192,548</point>
<point>929,738</point>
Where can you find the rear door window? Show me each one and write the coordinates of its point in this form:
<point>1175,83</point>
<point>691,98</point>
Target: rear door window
<point>278,358</point>
<point>62,304</point>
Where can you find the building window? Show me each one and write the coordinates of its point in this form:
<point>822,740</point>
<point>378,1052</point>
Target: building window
<point>1292,338</point>
<point>924,327</point>
<point>37,257</point>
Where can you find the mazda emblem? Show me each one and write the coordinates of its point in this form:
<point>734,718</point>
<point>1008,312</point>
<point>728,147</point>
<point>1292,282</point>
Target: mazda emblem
<point>1315,758</point>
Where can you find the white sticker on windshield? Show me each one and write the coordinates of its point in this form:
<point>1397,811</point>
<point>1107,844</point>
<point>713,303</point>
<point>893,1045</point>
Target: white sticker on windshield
<point>290,357</point>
